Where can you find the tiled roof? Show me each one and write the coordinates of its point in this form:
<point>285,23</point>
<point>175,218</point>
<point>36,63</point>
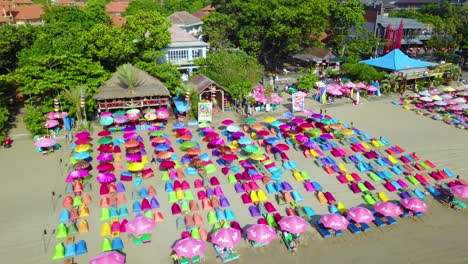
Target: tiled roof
<point>118,20</point>
<point>68,3</point>
<point>117,7</point>
<point>180,35</point>
<point>27,12</point>
<point>183,18</point>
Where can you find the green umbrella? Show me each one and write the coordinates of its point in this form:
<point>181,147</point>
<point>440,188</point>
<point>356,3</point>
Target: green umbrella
<point>315,132</point>
<point>105,140</point>
<point>249,120</point>
<point>326,121</point>
<point>158,134</point>
<point>187,144</point>
<point>338,135</point>
<point>106,121</point>
<point>120,112</point>
<point>251,149</point>
<point>203,125</point>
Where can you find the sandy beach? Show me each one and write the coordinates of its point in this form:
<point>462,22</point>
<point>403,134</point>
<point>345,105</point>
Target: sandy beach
<point>28,208</point>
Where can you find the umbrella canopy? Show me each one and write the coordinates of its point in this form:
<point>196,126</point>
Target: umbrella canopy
<point>425,93</point>
<point>133,157</point>
<point>229,157</point>
<point>51,123</point>
<point>132,143</point>
<point>46,142</point>
<point>105,177</point>
<point>448,89</point>
<point>105,167</point>
<point>78,174</point>
<point>414,204</point>
<point>460,190</point>
<point>297,120</point>
<point>189,247</point>
<point>360,215</point>
<point>257,157</point>
<point>251,149</point>
<point>193,151</point>
<point>104,133</point>
<point>269,119</point>
<point>334,221</point>
<point>203,124</point>
<point>282,147</point>
<point>111,257</point>
<point>182,131</point>
<point>162,113</point>
<point>263,133</point>
<point>162,147</point>
<point>310,144</point>
<point>158,134</point>
<point>217,141</point>
<point>232,128</point>
<point>159,140</point>
<point>81,155</point>
<point>140,225</point>
<point>425,99</point>
<point>245,141</point>
<point>120,119</point>
<point>82,141</point>
<point>167,164</point>
<point>226,237</point>
<point>136,166</point>
<point>82,165</point>
<point>186,137</point>
<point>272,140</point>
<point>130,135</point>
<point>106,120</point>
<point>164,155</point>
<point>262,234</point>
<point>256,126</point>
<point>83,134</point>
<point>211,134</point>
<point>227,122</point>
<point>82,148</point>
<point>56,115</point>
<point>102,148</point>
<point>105,141</point>
<point>249,120</point>
<point>293,224</point>
<point>388,209</point>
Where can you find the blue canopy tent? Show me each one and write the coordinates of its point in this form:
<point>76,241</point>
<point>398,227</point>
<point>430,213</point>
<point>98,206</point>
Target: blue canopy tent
<point>396,60</point>
<point>180,104</point>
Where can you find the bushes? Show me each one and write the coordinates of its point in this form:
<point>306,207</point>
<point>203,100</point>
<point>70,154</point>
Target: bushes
<point>361,71</point>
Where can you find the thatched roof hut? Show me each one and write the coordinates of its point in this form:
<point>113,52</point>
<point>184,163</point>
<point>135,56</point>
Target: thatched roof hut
<point>208,88</point>
<point>115,89</point>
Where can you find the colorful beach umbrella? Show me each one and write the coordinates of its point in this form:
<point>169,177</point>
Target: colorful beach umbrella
<point>249,120</point>
<point>229,157</point>
<point>189,247</point>
<point>136,166</point>
<point>227,122</point>
<point>164,155</point>
<point>334,221</point>
<point>460,190</point>
<point>167,164</point>
<point>78,174</point>
<point>46,143</point>
<point>81,155</point>
<point>140,225</point>
<point>104,133</point>
<point>82,141</point>
<point>251,149</point>
<point>107,166</point>
<point>282,147</point>
<point>82,165</point>
<point>260,233</point>
<point>269,119</point>
<point>106,121</point>
<point>188,144</point>
<point>111,257</point>
<point>105,177</point>
<point>414,204</point>
<point>105,141</point>
<point>82,148</point>
<point>102,148</point>
<point>360,215</point>
<point>51,123</point>
<point>226,237</point>
<point>388,209</point>
<point>293,224</point>
<point>162,147</point>
<point>232,128</point>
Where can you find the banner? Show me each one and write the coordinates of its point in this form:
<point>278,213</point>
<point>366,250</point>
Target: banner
<point>298,101</point>
<point>205,112</point>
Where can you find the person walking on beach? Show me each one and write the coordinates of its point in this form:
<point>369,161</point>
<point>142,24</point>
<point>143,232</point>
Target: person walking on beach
<point>450,200</point>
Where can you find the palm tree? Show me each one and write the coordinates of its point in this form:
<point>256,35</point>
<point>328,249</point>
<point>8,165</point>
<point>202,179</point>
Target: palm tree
<point>129,77</point>
<point>73,95</point>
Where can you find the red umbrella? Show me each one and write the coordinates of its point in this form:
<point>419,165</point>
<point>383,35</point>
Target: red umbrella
<point>132,143</point>
<point>105,167</point>
<point>263,133</point>
<point>227,122</point>
<point>104,133</point>
<point>305,125</point>
<point>167,164</point>
<point>158,140</point>
<point>164,155</point>
<point>211,135</point>
<point>105,148</point>
<point>82,141</point>
<point>193,151</point>
<point>229,157</point>
<point>182,131</point>
<point>186,137</point>
<point>282,147</point>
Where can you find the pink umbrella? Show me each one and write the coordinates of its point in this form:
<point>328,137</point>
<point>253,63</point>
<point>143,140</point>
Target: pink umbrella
<point>189,247</point>
<point>275,98</point>
<point>301,138</point>
<point>226,237</point>
<point>345,90</point>
<point>284,127</point>
<point>134,157</point>
<point>140,225</point>
<point>133,116</point>
<point>207,129</point>
<point>120,119</point>
<point>434,92</point>
<point>162,113</point>
<point>51,123</point>
<point>167,164</point>
<point>229,157</point>
<point>111,257</point>
<point>360,85</point>
<point>45,143</point>
<point>76,174</point>
<point>297,120</point>
<point>335,92</point>
<point>56,115</point>
<point>334,221</point>
<point>217,141</point>
<point>262,234</point>
<point>450,102</point>
<point>106,113</point>
<point>388,209</point>
<point>414,204</point>
<point>227,122</point>
<point>371,88</point>
<point>130,135</point>
<point>105,177</point>
<point>83,134</point>
<point>456,108</point>
<point>293,224</point>
<point>460,190</point>
<point>105,157</point>
<point>350,85</point>
<point>82,141</point>
<point>360,215</point>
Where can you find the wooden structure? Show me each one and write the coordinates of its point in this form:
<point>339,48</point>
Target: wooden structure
<point>206,88</point>
<point>149,93</point>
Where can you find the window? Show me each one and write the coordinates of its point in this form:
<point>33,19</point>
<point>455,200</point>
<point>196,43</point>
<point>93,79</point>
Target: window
<point>177,56</point>
<point>197,53</point>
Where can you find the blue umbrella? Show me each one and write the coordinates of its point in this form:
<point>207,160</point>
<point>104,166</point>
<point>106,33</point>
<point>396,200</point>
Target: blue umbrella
<point>107,120</point>
<point>179,125</point>
<point>118,141</point>
<point>288,115</point>
<point>72,146</point>
<point>162,147</point>
<point>81,155</point>
<point>276,123</point>
<point>272,140</point>
<point>245,140</point>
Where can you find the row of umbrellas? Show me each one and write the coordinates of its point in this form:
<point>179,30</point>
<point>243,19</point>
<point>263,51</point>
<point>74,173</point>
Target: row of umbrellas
<point>122,117</point>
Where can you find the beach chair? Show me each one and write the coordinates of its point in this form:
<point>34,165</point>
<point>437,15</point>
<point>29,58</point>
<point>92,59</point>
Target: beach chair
<point>322,230</point>
<point>378,222</point>
<point>383,197</point>
<point>287,239</point>
<point>353,228</point>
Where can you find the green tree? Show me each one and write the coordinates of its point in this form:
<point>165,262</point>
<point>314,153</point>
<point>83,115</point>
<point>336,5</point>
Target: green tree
<point>129,77</point>
<point>34,119</point>
<point>361,72</point>
<point>109,45</point>
<point>307,81</point>
<point>13,40</point>
<point>219,29</point>
<point>73,96</point>
<point>149,32</point>
<point>167,73</point>
<point>144,5</point>
<point>347,18</point>
<point>231,68</point>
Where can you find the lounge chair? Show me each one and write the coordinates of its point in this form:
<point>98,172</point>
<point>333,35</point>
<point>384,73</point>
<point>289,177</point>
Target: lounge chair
<point>378,222</point>
<point>323,231</point>
<point>353,228</point>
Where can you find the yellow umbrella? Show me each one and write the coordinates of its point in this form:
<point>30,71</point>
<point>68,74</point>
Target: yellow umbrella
<point>436,98</point>
<point>347,132</point>
<point>257,156</point>
<point>136,166</point>
<point>269,119</point>
<point>448,89</point>
<point>82,148</point>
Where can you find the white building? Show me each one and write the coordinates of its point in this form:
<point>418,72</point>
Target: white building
<point>184,49</point>
<point>186,21</point>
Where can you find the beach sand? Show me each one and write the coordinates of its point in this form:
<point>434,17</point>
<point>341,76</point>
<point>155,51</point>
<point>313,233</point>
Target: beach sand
<point>440,236</point>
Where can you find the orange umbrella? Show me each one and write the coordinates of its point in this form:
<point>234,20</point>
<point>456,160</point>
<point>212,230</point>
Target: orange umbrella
<point>132,143</point>
<point>158,140</point>
<point>186,137</point>
<point>164,155</point>
<point>257,126</point>
<point>193,151</point>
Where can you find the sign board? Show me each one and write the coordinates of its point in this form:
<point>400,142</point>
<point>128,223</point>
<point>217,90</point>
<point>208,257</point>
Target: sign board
<point>298,101</point>
<point>205,112</point>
